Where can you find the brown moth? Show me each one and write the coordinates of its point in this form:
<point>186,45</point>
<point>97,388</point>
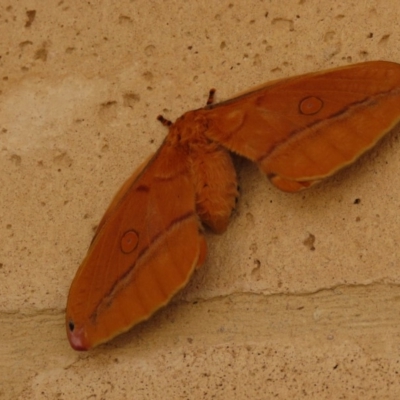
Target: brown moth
<point>298,131</point>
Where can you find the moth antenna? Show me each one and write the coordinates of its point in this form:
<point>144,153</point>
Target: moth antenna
<point>164,121</point>
<point>211,97</point>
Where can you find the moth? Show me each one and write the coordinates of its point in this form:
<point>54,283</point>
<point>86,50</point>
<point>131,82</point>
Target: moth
<point>151,238</point>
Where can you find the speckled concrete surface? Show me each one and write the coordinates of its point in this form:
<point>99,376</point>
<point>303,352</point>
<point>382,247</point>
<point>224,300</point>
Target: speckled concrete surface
<point>299,299</point>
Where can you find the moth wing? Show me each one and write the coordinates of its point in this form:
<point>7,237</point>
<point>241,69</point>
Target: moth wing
<point>144,251</point>
<point>302,129</point>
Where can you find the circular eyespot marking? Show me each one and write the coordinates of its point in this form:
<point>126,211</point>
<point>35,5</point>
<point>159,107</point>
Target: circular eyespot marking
<point>129,241</point>
<point>310,105</point>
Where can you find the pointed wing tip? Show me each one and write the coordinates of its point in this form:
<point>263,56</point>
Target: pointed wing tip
<point>77,339</point>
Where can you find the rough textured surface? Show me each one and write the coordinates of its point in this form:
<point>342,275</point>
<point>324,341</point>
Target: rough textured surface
<point>299,299</point>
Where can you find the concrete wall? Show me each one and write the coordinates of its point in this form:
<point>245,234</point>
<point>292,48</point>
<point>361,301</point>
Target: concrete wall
<point>299,299</point>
